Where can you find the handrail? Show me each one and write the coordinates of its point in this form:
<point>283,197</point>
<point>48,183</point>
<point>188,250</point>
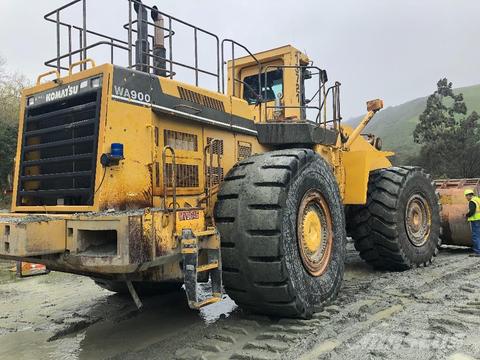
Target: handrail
<point>128,44</point>
<point>41,76</point>
<point>196,29</point>
<point>336,97</point>
<point>233,42</point>
<point>174,183</point>
<point>48,62</point>
<point>209,169</point>
<point>300,86</point>
<point>335,89</point>
<point>151,24</point>
<point>81,62</point>
<point>61,8</point>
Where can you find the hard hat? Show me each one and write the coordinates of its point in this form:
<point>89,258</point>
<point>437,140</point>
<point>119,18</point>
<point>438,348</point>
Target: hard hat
<point>469,192</point>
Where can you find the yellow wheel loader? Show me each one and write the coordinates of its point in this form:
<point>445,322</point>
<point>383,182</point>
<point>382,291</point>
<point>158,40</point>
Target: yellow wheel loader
<point>141,181</point>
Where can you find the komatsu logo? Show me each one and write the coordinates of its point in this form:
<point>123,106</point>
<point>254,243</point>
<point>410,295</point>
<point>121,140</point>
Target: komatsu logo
<point>63,93</point>
<point>131,94</point>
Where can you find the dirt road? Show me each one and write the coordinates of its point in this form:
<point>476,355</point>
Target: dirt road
<point>426,313</point>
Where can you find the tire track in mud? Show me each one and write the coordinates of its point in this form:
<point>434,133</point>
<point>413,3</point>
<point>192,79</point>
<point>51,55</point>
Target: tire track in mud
<point>374,309</point>
<point>443,328</point>
<point>361,306</point>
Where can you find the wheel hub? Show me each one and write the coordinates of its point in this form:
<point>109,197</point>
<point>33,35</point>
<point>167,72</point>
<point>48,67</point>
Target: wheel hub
<point>418,220</point>
<point>312,230</point>
<point>315,235</point>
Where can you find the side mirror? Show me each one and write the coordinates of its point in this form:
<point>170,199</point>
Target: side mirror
<point>307,74</point>
<point>324,76</point>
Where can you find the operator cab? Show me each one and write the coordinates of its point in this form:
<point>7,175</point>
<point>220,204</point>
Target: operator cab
<point>282,84</point>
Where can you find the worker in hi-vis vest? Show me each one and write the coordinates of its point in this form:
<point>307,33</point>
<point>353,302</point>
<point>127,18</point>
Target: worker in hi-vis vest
<point>473,217</point>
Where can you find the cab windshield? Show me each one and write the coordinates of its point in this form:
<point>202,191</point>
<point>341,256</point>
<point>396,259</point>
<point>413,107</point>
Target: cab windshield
<point>268,91</point>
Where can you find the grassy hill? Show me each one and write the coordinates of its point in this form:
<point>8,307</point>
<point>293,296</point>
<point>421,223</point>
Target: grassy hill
<point>395,124</point>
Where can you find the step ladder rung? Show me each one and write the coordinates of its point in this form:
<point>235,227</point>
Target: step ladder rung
<point>206,302</point>
<point>205,233</point>
<point>207,267</point>
<point>189,246</point>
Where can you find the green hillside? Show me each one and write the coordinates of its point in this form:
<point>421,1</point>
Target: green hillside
<point>395,124</point>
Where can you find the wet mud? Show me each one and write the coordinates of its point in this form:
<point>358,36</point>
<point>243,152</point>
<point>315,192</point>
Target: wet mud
<point>425,313</point>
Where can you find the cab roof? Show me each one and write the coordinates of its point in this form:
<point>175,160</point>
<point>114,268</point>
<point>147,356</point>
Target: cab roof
<point>266,55</point>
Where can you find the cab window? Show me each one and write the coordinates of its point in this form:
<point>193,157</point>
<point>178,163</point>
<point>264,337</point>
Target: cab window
<point>269,91</point>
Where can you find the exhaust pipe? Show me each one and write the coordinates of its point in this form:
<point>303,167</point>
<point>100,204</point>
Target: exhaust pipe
<point>142,46</point>
<point>159,51</point>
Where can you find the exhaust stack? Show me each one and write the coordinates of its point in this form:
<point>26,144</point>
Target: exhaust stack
<point>142,45</point>
<point>159,51</point>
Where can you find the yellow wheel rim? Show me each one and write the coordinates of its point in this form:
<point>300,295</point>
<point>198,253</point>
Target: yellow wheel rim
<point>312,230</point>
<point>418,220</point>
<point>315,233</point>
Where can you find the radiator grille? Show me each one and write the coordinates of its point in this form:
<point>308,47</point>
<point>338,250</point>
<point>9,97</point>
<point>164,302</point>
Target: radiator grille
<point>216,173</point>
<point>186,175</point>
<point>217,146</point>
<point>244,150</point>
<point>59,148</point>
<point>180,140</point>
<point>204,100</point>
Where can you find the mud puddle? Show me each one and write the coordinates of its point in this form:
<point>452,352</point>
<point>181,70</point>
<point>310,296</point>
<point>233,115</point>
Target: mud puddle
<point>62,316</point>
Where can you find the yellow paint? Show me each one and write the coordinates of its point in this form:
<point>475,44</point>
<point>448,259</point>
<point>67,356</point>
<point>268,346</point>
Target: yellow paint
<point>312,231</point>
<point>81,62</point>
<point>34,238</point>
<point>246,66</point>
<point>208,267</point>
<point>359,160</point>
<point>137,182</point>
<point>206,302</point>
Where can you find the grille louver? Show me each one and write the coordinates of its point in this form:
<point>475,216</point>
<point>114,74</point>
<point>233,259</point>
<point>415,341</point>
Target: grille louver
<point>186,176</point>
<point>201,99</point>
<point>59,148</point>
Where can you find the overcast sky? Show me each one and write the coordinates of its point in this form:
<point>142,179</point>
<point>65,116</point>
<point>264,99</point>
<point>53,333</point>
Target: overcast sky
<point>395,50</point>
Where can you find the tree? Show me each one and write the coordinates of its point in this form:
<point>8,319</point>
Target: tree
<point>8,143</point>
<point>11,86</point>
<point>449,137</point>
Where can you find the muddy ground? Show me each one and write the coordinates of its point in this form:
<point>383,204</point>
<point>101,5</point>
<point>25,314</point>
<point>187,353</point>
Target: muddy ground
<point>426,313</point>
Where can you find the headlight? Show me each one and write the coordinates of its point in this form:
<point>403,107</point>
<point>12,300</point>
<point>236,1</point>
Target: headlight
<point>96,82</point>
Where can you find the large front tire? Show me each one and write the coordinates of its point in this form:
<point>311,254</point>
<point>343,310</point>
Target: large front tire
<point>399,227</point>
<point>282,229</point>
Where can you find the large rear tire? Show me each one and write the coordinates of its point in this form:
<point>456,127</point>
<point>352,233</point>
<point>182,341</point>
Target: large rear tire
<point>399,227</point>
<point>282,229</point>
